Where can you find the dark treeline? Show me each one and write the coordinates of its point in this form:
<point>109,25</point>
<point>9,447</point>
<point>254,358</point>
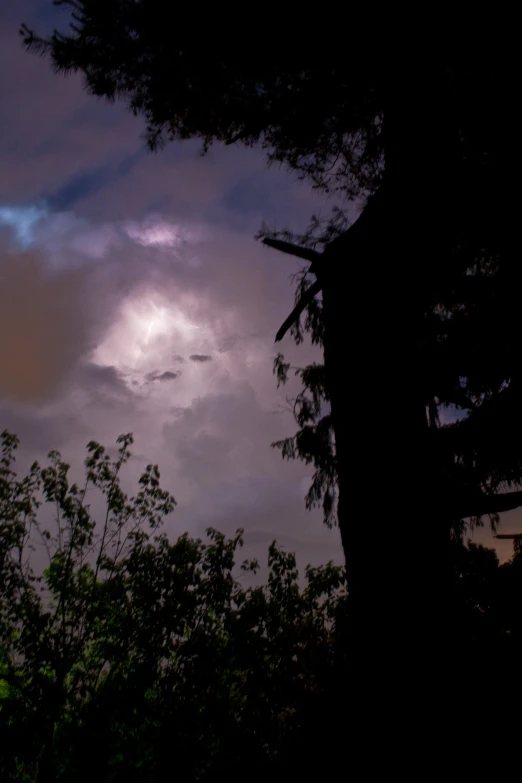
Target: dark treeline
<point>415,305</point>
<point>130,658</point>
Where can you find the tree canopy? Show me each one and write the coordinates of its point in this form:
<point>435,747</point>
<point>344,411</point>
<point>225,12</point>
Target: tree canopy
<point>418,314</point>
<point>348,121</point>
<point>129,657</point>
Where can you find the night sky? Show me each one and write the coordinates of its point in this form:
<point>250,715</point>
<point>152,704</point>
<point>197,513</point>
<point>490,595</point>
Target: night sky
<point>133,298</point>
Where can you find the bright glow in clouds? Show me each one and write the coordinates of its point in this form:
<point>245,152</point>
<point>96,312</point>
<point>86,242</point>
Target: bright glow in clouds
<point>151,334</point>
<point>156,232</point>
<point>159,235</point>
<point>152,322</point>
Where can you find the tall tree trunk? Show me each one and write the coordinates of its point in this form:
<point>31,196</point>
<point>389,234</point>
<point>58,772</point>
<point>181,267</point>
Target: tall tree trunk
<point>391,505</point>
<point>392,530</point>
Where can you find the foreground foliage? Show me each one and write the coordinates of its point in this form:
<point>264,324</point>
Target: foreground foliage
<point>129,657</point>
<point>416,304</point>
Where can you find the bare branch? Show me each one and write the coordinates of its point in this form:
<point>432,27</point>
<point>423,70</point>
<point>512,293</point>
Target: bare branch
<point>481,504</point>
<point>305,300</point>
<point>294,250</point>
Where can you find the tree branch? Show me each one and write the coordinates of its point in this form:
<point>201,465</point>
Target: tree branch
<point>482,504</point>
<point>298,309</point>
<point>509,536</point>
<point>364,230</point>
<point>489,423</point>
<point>294,250</point>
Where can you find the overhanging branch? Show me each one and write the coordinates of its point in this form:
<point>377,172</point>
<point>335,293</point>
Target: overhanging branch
<point>337,248</point>
<point>482,504</point>
<point>294,250</point>
<point>491,422</point>
<point>298,309</point>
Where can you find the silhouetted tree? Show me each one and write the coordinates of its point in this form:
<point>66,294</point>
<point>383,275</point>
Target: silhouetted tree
<point>129,658</point>
<point>419,295</point>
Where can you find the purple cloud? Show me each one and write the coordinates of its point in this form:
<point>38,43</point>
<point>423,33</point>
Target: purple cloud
<point>168,375</point>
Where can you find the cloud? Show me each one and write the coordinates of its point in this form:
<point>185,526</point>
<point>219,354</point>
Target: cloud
<point>168,375</point>
<point>75,140</point>
<point>39,431</point>
<point>157,231</point>
<point>224,433</point>
<point>48,322</point>
<point>116,264</point>
<point>104,384</point>
<point>101,329</point>
<point>62,238</point>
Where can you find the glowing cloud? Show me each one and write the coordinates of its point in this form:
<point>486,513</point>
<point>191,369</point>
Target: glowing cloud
<point>160,233</point>
<point>150,333</point>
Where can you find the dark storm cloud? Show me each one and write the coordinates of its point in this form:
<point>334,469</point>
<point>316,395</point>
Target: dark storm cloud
<point>248,196</point>
<point>168,375</point>
<point>103,382</point>
<point>223,434</point>
<point>217,443</point>
<point>47,322</point>
<point>211,430</point>
<point>53,134</point>
<point>38,432</point>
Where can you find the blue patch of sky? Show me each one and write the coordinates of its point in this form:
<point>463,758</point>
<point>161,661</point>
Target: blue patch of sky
<point>91,181</point>
<point>22,221</point>
<point>86,183</point>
